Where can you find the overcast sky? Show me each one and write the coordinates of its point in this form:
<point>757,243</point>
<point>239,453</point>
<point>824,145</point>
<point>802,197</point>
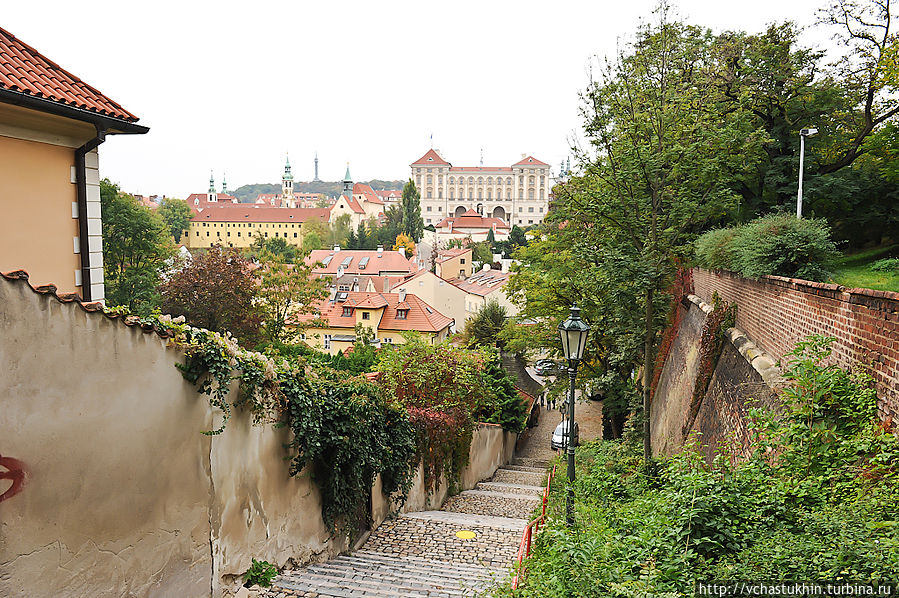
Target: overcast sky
<point>233,86</point>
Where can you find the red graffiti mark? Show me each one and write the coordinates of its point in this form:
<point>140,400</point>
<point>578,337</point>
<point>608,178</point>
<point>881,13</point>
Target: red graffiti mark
<point>16,471</point>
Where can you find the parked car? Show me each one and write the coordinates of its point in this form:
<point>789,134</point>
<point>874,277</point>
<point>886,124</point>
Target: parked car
<point>560,436</point>
<point>547,367</point>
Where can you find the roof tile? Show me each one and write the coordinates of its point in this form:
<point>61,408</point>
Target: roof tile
<point>25,70</point>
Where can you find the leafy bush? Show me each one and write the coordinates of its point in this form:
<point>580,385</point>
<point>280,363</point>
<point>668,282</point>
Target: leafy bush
<point>505,406</point>
<point>777,244</point>
<point>260,573</point>
<point>886,265</point>
<point>816,499</point>
<point>715,249</point>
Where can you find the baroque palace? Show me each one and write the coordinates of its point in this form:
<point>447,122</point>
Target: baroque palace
<point>516,194</point>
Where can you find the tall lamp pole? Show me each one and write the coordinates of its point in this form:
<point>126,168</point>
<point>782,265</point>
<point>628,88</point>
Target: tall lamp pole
<point>803,133</point>
<point>574,338</point>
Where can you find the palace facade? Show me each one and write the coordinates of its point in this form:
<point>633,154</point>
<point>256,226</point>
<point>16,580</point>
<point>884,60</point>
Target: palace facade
<point>516,194</point>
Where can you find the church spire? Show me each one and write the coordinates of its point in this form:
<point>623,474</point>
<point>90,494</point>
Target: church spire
<point>348,182</point>
<point>287,184</point>
<point>211,195</point>
<point>224,184</point>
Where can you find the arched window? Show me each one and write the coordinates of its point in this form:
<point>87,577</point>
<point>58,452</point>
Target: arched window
<point>431,180</point>
<point>489,194</point>
<point>452,194</point>
<point>530,180</point>
<point>452,180</point>
<point>489,180</point>
<point>480,180</point>
<point>531,193</point>
<point>480,193</point>
<point>471,180</point>
<point>509,180</point>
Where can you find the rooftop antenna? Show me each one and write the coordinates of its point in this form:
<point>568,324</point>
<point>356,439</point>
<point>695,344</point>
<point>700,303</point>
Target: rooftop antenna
<point>482,157</point>
<point>432,140</point>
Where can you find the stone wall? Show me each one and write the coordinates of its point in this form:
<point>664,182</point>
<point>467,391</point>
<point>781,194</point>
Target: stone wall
<point>123,495</point>
<point>776,312</point>
<point>743,376</point>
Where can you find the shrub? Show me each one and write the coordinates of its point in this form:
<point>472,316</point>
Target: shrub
<point>777,244</point>
<point>260,573</point>
<point>715,250</point>
<point>886,265</point>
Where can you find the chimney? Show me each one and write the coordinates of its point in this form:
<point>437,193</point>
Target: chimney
<point>402,294</point>
<point>336,248</point>
<point>333,293</point>
<point>339,272</point>
<point>402,251</point>
<point>380,250</point>
<point>355,285</point>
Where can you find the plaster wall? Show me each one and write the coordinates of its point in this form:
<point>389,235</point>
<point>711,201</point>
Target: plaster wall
<point>123,494</point>
<point>38,230</point>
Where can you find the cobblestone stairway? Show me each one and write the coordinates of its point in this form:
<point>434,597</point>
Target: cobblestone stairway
<point>419,554</point>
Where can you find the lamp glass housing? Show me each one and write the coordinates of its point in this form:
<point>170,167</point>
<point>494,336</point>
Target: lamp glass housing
<point>573,332</point>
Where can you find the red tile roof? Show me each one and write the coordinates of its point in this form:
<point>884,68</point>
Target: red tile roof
<point>368,192</point>
<point>446,254</point>
<point>421,317</point>
<point>351,203</point>
<point>244,212</point>
<point>481,169</point>
<point>482,283</point>
<point>530,161</point>
<point>223,199</point>
<point>25,70</point>
<point>390,261</point>
<point>431,158</point>
<point>469,221</point>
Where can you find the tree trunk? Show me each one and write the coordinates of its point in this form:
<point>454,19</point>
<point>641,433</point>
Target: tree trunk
<point>647,378</point>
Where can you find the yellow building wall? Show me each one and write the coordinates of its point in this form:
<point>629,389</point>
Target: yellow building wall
<point>241,234</point>
<point>315,338</point>
<point>455,267</point>
<point>37,230</point>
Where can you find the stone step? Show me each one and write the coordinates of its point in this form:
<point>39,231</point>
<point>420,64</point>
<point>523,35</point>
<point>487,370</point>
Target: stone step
<point>518,477</point>
<point>510,488</point>
<point>494,504</point>
<point>466,519</point>
<point>527,468</point>
<point>375,574</point>
<point>378,559</point>
<point>530,462</point>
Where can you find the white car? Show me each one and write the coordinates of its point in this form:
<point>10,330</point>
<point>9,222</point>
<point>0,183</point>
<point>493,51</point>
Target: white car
<point>560,436</point>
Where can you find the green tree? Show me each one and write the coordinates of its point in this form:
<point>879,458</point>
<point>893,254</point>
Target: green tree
<point>176,214</point>
<point>286,289</point>
<point>413,225</point>
<point>136,249</point>
<point>264,248</point>
<point>483,330</point>
<point>216,291</point>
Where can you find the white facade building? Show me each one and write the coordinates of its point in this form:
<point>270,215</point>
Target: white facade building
<point>517,194</point>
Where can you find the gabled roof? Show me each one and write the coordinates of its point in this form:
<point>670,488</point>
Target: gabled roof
<point>25,71</point>
<point>530,161</point>
<point>431,158</point>
<point>469,221</point>
<point>446,254</point>
<point>224,198</point>
<point>368,192</point>
<point>351,202</point>
<point>482,283</point>
<point>389,261</point>
<point>421,316</point>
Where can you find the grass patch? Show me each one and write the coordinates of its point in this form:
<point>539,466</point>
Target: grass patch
<point>855,270</point>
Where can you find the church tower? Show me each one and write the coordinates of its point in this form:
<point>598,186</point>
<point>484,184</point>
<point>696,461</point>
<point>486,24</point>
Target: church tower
<point>211,195</point>
<point>287,185</point>
<point>348,182</point>
<point>224,184</point>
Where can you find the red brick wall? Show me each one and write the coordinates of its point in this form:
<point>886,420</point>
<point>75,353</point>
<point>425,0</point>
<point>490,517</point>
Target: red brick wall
<point>775,312</point>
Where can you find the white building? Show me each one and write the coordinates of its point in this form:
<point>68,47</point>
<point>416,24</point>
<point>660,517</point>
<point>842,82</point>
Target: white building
<point>516,194</point>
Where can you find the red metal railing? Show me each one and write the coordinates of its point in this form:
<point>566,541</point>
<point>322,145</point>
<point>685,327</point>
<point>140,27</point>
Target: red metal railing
<point>524,547</point>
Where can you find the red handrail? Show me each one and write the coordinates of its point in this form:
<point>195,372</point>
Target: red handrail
<point>524,547</point>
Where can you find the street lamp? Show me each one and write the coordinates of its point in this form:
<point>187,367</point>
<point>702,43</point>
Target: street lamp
<point>803,133</point>
<point>574,338</point>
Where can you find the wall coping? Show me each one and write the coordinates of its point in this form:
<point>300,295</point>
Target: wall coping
<point>798,283</point>
<point>761,362</point>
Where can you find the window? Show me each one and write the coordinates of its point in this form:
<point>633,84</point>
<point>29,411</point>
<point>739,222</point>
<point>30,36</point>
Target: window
<point>462,261</point>
<point>531,209</point>
<point>327,341</point>
<point>303,336</point>
<point>347,312</point>
<point>520,209</point>
<point>440,193</point>
<point>429,194</point>
<point>439,208</point>
<point>295,235</point>
<point>388,340</point>
<point>366,315</point>
<point>430,180</point>
<point>429,208</point>
<point>541,209</point>
<point>401,314</point>
<point>530,222</point>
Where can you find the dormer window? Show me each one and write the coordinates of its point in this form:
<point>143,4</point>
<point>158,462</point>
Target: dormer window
<point>401,314</point>
<point>347,312</point>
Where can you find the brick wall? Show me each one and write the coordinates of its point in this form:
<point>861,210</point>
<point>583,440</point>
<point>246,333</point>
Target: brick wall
<point>775,312</point>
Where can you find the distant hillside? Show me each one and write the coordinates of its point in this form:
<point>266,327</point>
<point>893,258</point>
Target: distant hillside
<point>247,193</point>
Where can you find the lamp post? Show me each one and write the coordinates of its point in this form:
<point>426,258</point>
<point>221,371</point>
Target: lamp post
<point>574,338</point>
<point>803,133</point>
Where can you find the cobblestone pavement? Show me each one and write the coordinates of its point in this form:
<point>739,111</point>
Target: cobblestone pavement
<point>419,554</point>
